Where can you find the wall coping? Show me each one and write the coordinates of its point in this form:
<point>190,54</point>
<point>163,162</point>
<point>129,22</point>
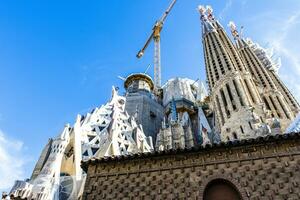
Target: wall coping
<point>279,138</point>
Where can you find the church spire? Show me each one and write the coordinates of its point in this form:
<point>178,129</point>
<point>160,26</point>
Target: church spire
<point>240,42</point>
<point>233,92</point>
<point>234,31</point>
<point>210,15</point>
<point>272,97</point>
<point>206,24</point>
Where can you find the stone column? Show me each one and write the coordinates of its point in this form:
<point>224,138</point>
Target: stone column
<point>274,111</point>
<point>256,90</point>
<point>235,96</point>
<point>229,102</point>
<point>242,91</point>
<point>284,107</point>
<point>246,92</point>
<point>252,91</point>
<point>222,107</point>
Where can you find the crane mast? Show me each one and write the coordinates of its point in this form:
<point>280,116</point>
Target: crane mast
<point>157,64</point>
<point>155,35</point>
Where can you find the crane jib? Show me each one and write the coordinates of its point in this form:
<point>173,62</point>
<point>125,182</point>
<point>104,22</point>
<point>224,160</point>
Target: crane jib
<point>168,11</point>
<point>155,35</point>
<point>160,22</point>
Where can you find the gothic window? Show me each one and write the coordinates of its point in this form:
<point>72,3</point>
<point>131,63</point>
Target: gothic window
<point>126,147</point>
<point>176,145</point>
<point>221,189</point>
<point>231,97</point>
<point>266,103</point>
<point>250,125</point>
<point>234,135</point>
<point>242,130</point>
<point>225,103</point>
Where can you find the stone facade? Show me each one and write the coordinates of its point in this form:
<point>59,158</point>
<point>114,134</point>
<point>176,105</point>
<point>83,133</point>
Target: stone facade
<point>234,96</point>
<point>262,168</point>
<point>275,101</point>
<point>248,100</point>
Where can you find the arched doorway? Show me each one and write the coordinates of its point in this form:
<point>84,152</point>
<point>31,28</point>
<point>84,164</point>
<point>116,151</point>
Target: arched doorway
<point>221,189</point>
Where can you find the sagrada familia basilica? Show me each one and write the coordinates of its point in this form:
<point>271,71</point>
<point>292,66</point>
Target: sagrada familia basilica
<point>180,142</point>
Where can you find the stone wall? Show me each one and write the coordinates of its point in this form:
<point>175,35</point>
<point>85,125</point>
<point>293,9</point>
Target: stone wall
<point>264,168</point>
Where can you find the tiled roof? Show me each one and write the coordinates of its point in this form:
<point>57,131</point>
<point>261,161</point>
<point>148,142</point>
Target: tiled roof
<point>199,148</point>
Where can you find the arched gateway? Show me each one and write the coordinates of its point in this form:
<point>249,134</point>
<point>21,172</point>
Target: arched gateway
<point>221,189</point>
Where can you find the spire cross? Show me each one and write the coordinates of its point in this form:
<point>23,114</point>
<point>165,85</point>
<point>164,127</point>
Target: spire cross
<point>234,31</point>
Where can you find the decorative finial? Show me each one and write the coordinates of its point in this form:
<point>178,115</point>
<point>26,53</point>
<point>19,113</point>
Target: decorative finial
<point>202,11</point>
<point>209,11</point>
<point>233,29</point>
<point>114,92</point>
<point>206,22</point>
<point>205,139</point>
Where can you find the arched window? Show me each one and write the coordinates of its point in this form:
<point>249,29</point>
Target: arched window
<point>242,130</point>
<point>221,189</point>
<point>234,135</point>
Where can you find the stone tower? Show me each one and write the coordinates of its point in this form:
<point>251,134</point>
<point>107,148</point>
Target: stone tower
<point>281,105</point>
<point>272,68</point>
<point>45,185</point>
<point>143,104</point>
<point>234,96</point>
<point>289,98</point>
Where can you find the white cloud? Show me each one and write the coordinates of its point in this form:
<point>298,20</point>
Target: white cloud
<point>12,161</point>
<point>279,30</point>
<point>282,42</point>
<point>225,9</point>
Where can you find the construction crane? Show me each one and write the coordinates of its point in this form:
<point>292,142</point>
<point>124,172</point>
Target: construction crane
<point>155,35</point>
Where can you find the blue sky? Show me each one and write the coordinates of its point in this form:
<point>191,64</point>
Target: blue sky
<point>61,58</point>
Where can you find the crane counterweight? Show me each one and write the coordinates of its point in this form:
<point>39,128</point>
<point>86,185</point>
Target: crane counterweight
<point>140,54</point>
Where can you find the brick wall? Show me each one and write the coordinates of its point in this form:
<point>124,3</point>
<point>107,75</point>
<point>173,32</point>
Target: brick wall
<point>265,168</point>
